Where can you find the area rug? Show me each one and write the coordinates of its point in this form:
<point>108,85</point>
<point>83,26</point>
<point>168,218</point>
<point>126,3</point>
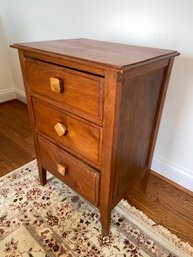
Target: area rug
<point>49,221</point>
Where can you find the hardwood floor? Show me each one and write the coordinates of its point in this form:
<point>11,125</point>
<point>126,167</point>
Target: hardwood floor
<point>16,144</point>
<point>165,202</point>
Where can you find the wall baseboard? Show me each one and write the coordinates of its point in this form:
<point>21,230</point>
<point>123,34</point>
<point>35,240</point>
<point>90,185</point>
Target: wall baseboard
<point>12,93</point>
<point>172,171</point>
<point>7,94</point>
<point>20,95</point>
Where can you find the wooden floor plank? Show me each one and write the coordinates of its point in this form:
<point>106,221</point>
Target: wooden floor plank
<point>16,143</point>
<point>167,205</point>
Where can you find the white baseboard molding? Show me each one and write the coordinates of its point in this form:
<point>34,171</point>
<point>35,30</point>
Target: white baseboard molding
<point>7,94</point>
<point>20,95</point>
<point>172,171</point>
<point>12,93</point>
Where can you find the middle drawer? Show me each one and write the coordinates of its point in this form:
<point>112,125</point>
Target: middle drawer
<point>77,136</point>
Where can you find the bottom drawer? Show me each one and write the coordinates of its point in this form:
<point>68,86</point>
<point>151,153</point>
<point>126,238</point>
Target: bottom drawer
<point>77,175</point>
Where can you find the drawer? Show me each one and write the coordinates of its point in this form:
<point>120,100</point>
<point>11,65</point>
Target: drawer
<point>77,92</point>
<point>80,137</point>
<point>79,176</point>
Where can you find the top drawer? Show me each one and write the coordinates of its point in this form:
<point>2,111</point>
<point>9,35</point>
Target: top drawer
<point>81,93</point>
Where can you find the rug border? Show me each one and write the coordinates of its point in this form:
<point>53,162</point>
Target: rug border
<point>21,167</point>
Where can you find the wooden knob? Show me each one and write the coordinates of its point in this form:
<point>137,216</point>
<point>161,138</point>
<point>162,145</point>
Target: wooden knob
<point>60,129</point>
<point>62,169</point>
<point>56,85</point>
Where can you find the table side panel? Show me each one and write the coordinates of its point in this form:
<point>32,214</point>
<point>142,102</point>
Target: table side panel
<point>139,102</point>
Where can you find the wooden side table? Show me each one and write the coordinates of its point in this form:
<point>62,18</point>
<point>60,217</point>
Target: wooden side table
<point>95,109</point>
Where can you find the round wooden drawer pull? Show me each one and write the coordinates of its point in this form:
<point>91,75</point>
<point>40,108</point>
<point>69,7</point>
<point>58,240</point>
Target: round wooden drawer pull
<point>60,129</point>
<point>62,169</point>
<point>56,85</point>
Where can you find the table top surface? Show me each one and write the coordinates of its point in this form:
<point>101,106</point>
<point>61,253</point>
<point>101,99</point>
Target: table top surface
<point>106,53</point>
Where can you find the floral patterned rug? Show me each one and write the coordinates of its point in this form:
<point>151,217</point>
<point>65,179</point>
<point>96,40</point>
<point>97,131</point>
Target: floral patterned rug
<point>49,221</point>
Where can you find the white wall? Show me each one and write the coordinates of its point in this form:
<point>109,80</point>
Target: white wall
<point>161,23</point>
<point>7,90</point>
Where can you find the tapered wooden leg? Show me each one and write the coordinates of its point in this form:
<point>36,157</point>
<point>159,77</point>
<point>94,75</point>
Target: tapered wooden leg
<point>105,218</point>
<point>42,175</point>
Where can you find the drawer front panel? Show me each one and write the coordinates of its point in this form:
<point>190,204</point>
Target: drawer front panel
<point>80,93</point>
<point>77,175</point>
<point>80,138</point>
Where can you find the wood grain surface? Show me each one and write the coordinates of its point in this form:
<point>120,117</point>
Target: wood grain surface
<point>107,53</point>
<point>79,176</point>
<point>16,144</point>
<point>167,203</point>
<point>82,93</point>
<point>82,138</point>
